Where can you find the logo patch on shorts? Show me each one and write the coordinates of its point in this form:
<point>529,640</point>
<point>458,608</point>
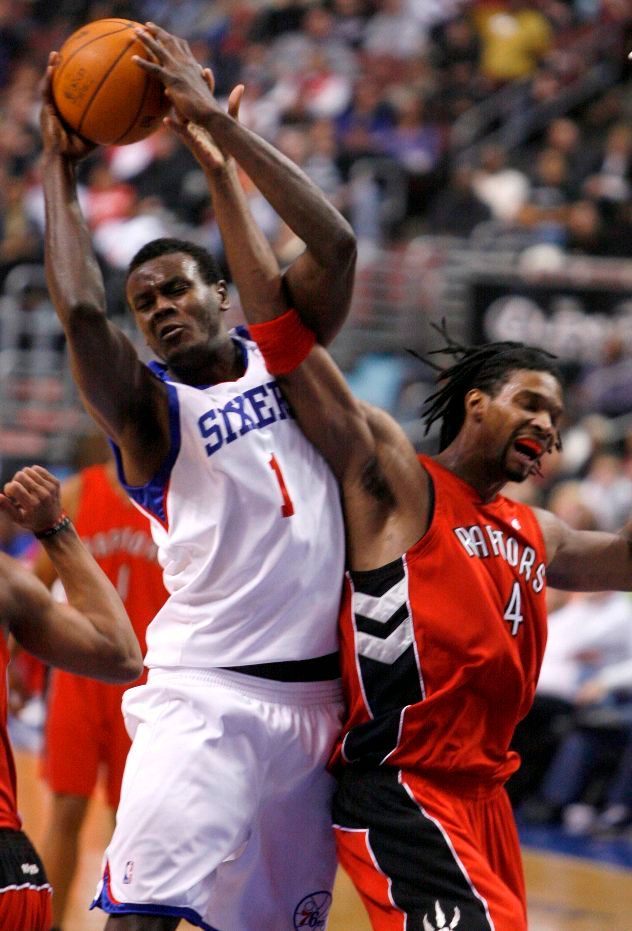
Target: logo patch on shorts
<point>128,875</point>
<point>442,920</point>
<point>30,869</point>
<point>312,911</point>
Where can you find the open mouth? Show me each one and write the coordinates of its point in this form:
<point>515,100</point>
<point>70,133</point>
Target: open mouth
<point>529,448</point>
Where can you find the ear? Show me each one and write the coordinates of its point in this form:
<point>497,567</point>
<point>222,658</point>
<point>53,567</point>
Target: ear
<point>222,292</point>
<point>476,403</point>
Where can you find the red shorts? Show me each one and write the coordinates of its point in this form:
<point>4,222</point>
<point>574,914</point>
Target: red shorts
<point>84,734</point>
<point>25,895</point>
<point>423,857</point>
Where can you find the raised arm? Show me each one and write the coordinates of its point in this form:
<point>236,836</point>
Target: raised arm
<point>319,282</point>
<point>586,560</point>
<point>92,634</point>
<point>116,388</point>
<point>368,452</point>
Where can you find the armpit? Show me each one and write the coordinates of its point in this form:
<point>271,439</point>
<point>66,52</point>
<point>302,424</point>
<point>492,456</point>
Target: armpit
<point>374,482</point>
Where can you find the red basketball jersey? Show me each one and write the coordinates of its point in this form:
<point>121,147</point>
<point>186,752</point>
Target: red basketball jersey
<point>441,649</point>
<point>119,538</point>
<point>8,805</point>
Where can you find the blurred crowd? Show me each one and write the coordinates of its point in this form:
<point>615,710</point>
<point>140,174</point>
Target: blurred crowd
<point>413,115</point>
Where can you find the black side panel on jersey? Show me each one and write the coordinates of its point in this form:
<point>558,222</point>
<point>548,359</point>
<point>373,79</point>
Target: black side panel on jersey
<point>408,847</point>
<point>387,659</point>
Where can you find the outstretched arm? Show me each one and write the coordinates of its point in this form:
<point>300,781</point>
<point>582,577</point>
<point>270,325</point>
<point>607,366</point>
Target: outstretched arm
<point>586,560</point>
<point>319,282</point>
<point>92,634</point>
<point>118,391</point>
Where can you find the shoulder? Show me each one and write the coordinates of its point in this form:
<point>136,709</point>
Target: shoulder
<point>553,530</point>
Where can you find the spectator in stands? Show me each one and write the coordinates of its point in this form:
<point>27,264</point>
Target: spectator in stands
<point>13,37</point>
<point>616,814</point>
<point>564,135</point>
<point>585,634</point>
<point>28,322</point>
<point>584,229</point>
<point>600,732</point>
<point>321,90</point>
<point>366,118</point>
<point>549,195</point>
<point>276,18</point>
<point>169,169</point>
<point>612,179</point>
<point>456,41</point>
<point>19,238</point>
<point>457,209</point>
<point>107,199</point>
<point>515,37</point>
<point>607,490</point>
<point>605,387</point>
<point>351,17</point>
<point>289,52</point>
<point>392,33</point>
<point>415,144</point>
<point>503,188</point>
<point>321,162</point>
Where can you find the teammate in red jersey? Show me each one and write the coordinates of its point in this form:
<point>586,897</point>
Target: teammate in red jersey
<point>443,622</point>
<point>90,635</point>
<point>85,731</point>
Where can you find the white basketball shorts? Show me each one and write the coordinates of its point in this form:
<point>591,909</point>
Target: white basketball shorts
<point>225,812</point>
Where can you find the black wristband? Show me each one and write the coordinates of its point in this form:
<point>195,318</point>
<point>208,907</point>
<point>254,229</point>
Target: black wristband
<point>60,524</point>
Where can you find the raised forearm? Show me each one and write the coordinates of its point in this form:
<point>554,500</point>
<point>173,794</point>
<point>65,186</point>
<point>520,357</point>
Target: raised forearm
<point>250,257</point>
<point>72,272</point>
<point>297,200</point>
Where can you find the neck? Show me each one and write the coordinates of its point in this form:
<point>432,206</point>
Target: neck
<point>223,361</point>
<point>474,471</point>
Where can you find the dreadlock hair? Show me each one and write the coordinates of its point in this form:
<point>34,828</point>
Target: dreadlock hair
<point>486,367</point>
<point>207,266</point>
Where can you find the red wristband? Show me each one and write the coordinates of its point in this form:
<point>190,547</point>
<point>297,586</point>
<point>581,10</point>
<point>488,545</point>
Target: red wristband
<point>284,342</point>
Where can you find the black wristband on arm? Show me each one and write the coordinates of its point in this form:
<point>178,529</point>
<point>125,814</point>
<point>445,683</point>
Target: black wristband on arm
<point>61,523</point>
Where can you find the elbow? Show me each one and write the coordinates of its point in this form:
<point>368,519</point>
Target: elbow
<point>126,667</point>
<point>345,247</point>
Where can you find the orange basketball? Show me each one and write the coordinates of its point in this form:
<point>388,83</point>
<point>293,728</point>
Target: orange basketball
<point>99,91</point>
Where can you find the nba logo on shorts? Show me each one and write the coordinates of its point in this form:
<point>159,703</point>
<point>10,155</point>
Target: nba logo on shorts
<point>128,875</point>
<point>311,912</point>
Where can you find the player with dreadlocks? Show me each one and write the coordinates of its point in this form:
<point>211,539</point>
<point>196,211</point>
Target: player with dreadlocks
<point>443,621</point>
<point>443,624</point>
<point>483,366</point>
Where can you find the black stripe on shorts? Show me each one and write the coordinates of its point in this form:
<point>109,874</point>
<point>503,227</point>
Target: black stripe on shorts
<point>409,849</point>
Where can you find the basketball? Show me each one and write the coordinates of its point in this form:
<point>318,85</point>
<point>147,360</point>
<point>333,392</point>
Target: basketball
<point>98,90</point>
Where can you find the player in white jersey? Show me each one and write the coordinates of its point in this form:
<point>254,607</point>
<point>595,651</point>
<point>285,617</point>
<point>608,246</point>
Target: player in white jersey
<point>271,504</point>
<point>225,810</point>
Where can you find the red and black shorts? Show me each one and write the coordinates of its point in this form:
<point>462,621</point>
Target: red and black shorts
<point>423,857</point>
<point>25,894</point>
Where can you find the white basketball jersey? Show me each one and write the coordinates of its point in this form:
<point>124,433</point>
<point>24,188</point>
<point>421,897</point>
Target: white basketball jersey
<point>246,516</point>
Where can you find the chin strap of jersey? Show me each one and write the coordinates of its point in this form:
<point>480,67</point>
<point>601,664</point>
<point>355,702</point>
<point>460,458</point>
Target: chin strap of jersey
<point>284,342</point>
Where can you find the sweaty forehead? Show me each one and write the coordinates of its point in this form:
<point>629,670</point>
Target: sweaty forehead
<point>153,272</point>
